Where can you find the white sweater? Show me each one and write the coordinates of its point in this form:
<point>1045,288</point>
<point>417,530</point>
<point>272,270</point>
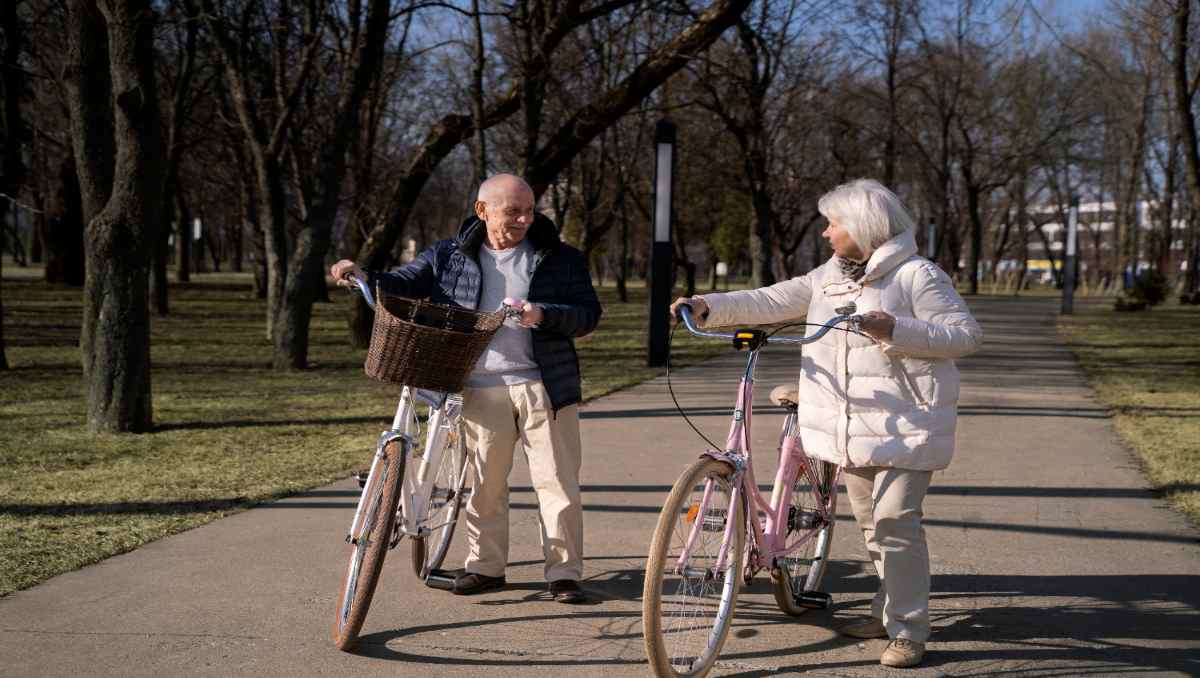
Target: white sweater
<point>864,403</point>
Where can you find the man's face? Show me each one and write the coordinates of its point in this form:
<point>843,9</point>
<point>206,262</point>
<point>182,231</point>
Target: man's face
<point>507,213</point>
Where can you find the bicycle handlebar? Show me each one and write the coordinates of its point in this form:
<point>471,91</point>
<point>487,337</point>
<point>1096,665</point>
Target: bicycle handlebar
<point>845,315</point>
<point>509,311</point>
<point>363,289</point>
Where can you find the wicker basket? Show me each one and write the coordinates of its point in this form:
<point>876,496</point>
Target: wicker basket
<point>426,345</point>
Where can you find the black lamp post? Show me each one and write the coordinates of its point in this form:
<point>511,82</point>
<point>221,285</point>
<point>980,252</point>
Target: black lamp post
<point>662,256</point>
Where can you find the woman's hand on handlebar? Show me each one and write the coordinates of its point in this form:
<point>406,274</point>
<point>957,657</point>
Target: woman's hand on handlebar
<point>699,307</point>
<point>877,324</point>
<point>345,269</point>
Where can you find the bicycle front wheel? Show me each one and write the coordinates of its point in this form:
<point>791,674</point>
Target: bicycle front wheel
<point>445,500</point>
<point>802,569</point>
<point>369,543</point>
<point>691,580</point>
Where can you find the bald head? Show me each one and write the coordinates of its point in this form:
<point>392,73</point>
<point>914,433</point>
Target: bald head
<point>505,205</point>
<point>497,185</point>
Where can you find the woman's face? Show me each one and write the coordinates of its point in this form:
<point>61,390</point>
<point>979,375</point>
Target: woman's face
<point>841,242</point>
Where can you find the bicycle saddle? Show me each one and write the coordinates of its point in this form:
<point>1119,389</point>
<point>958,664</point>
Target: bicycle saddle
<point>787,395</point>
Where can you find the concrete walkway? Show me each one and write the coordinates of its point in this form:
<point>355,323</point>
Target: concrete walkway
<point>1049,558</point>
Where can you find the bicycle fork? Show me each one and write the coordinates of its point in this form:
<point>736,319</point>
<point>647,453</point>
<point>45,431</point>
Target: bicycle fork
<point>378,466</point>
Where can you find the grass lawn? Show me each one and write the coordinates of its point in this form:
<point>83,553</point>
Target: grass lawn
<point>230,433</point>
<point>1146,366</point>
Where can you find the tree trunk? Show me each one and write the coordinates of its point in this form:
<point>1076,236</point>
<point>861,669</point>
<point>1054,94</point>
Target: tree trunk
<point>3,355</point>
<point>3,216</point>
<point>763,229</point>
<point>271,206</point>
<point>306,274</point>
<point>1187,129</point>
<point>112,60</point>
<point>1127,251</point>
<point>162,251</point>
<point>292,323</point>
<point>183,230</point>
<point>64,229</point>
<point>479,149</point>
<point>12,131</point>
<point>259,260</point>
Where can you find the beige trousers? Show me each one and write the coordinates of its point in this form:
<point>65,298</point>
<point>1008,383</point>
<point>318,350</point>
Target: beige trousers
<point>887,505</point>
<point>498,420</point>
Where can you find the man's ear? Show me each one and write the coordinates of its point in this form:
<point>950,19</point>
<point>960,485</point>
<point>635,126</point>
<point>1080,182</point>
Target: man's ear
<point>481,210</point>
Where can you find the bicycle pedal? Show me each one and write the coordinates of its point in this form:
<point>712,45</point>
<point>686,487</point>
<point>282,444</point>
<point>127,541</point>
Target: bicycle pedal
<point>813,600</point>
<point>442,579</point>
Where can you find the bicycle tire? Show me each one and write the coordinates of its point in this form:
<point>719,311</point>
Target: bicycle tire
<point>428,551</point>
<point>694,613</point>
<point>803,569</point>
<point>370,545</point>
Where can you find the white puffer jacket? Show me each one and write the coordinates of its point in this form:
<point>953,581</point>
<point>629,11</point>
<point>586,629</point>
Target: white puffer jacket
<point>864,403</point>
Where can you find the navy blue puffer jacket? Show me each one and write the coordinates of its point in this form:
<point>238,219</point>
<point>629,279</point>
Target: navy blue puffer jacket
<point>448,273</point>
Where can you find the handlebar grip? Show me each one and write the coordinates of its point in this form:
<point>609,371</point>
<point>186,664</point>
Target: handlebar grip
<point>363,290</point>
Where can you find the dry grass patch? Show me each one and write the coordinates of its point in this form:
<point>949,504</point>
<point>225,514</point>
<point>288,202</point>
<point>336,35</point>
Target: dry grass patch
<point>230,432</point>
<point>1146,366</point>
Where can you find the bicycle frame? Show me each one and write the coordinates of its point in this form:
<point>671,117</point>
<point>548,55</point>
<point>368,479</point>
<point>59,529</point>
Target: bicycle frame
<point>767,542</point>
<point>417,490</point>
<point>417,494</point>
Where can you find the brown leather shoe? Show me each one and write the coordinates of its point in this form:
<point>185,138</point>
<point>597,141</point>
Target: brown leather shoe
<point>567,591</point>
<point>902,653</point>
<point>470,583</point>
<point>864,628</point>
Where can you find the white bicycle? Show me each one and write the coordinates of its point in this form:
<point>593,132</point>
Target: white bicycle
<point>414,488</point>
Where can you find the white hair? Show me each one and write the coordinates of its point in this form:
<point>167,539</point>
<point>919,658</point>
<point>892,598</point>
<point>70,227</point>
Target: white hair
<point>868,211</point>
<point>497,182</point>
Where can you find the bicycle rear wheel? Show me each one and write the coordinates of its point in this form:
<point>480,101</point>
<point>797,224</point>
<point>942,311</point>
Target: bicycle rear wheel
<point>802,569</point>
<point>370,543</point>
<point>686,613</point>
<point>445,500</point>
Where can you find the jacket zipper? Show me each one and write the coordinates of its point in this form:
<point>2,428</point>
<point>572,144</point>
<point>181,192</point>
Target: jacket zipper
<point>844,423</point>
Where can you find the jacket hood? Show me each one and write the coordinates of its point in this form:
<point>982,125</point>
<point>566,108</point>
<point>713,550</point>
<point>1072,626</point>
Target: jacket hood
<point>889,255</point>
<point>542,233</point>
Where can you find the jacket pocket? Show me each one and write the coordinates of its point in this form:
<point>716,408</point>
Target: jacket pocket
<point>910,383</point>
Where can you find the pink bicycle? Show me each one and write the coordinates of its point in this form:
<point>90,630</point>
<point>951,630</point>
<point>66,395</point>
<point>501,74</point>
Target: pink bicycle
<point>700,552</point>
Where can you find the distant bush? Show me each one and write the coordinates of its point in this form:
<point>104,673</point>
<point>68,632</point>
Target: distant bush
<point>1149,289</point>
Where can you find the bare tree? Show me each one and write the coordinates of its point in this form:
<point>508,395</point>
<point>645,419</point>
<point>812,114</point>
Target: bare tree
<point>1184,93</point>
<point>12,129</point>
<point>180,97</point>
<point>119,153</point>
<point>576,131</point>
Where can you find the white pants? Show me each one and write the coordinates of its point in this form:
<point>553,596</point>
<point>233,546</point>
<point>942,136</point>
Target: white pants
<point>887,505</point>
<point>498,420</point>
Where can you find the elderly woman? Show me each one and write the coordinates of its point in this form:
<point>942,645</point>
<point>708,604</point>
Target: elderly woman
<point>884,407</point>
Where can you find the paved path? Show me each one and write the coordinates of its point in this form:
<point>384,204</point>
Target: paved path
<point>1049,558</point>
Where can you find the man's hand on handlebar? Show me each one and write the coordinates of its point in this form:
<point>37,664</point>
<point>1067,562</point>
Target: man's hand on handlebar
<point>345,269</point>
<point>699,307</point>
<point>531,314</point>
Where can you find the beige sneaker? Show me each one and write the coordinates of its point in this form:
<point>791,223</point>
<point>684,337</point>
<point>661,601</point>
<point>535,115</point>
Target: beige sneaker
<point>865,628</point>
<point>902,653</point>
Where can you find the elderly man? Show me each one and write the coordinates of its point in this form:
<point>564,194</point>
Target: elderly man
<point>525,389</point>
